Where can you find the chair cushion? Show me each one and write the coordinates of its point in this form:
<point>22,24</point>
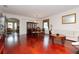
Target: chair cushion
<point>75,43</point>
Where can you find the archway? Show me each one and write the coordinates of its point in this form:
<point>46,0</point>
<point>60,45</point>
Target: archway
<point>12,25</point>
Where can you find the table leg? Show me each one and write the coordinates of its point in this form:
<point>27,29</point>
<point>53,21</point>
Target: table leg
<point>52,40</point>
<point>63,40</point>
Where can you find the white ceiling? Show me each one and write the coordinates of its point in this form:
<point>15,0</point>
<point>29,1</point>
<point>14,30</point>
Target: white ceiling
<point>37,11</point>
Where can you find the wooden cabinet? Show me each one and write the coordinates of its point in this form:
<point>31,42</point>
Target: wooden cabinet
<point>31,26</point>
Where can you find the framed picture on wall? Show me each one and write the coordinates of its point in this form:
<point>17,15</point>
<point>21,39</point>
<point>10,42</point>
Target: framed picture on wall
<point>69,19</point>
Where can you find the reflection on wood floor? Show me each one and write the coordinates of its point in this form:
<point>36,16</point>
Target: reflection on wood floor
<point>35,45</point>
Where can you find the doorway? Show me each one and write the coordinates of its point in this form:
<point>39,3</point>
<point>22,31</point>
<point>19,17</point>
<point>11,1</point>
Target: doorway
<point>12,26</point>
<point>31,26</point>
<point>46,26</point>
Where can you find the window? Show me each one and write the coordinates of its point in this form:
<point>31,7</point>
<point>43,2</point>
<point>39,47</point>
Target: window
<point>46,25</point>
<point>10,25</point>
<point>15,26</point>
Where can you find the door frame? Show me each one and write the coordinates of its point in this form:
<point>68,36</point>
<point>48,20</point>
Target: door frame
<point>46,20</point>
<point>18,24</point>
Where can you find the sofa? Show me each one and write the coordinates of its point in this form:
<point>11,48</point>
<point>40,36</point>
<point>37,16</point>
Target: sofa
<point>70,35</point>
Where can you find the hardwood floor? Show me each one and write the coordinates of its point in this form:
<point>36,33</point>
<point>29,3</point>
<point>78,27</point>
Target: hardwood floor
<point>35,45</point>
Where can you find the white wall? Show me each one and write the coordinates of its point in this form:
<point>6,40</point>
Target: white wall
<point>23,20</point>
<point>57,21</point>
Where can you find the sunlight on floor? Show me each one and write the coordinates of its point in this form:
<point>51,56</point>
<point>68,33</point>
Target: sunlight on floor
<point>12,39</point>
<point>46,41</point>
